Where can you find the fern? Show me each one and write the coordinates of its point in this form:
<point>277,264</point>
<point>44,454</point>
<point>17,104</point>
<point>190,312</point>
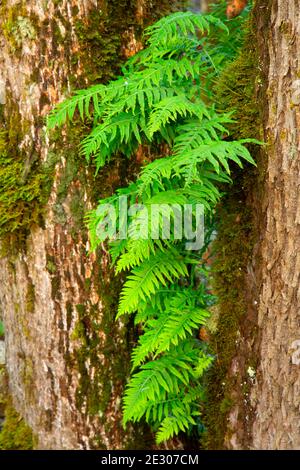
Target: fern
<point>181,323</point>
<point>180,24</point>
<point>172,325</point>
<point>145,279</point>
<point>163,375</point>
<point>172,425</point>
<point>164,96</point>
<point>136,252</point>
<point>169,109</point>
<point>82,101</point>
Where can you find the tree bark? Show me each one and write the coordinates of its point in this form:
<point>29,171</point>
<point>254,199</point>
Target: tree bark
<point>276,394</point>
<point>66,357</point>
<point>261,385</point>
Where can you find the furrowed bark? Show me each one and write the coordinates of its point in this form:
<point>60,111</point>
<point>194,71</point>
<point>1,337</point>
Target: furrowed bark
<point>275,395</point>
<point>67,358</point>
<point>255,405</point>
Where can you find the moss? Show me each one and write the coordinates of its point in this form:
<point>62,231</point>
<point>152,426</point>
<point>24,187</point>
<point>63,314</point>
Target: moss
<point>55,287</point>
<point>101,36</point>
<point>24,186</point>
<point>233,248</point>
<point>87,284</point>
<point>69,309</point>
<point>226,405</point>
<point>99,42</point>
<point>50,264</point>
<point>30,297</point>
<point>103,346</point>
<point>28,379</point>
<point>99,346</point>
<point>236,91</point>
<point>15,434</point>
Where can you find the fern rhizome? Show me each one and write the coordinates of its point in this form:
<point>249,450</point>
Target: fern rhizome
<point>164,100</point>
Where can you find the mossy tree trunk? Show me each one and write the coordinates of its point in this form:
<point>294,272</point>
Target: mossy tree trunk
<point>254,387</point>
<point>67,358</point>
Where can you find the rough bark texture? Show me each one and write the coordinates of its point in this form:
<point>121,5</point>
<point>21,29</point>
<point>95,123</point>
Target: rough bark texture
<point>265,375</point>
<point>276,394</point>
<point>67,359</point>
<point>254,387</point>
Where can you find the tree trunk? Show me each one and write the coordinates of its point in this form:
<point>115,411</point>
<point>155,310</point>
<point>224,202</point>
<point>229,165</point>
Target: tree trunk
<point>276,393</point>
<point>66,357</point>
<point>256,380</point>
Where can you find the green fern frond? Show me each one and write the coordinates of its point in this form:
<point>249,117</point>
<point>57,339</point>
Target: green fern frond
<point>168,405</point>
<point>216,153</point>
<point>159,269</point>
<point>82,101</point>
<point>180,23</point>
<point>206,194</point>
<point>110,134</point>
<point>150,340</point>
<point>154,172</point>
<point>166,374</point>
<point>171,327</point>
<point>192,134</point>
<point>172,425</point>
<point>180,326</point>
<point>172,196</point>
<point>170,109</point>
<point>204,362</point>
<point>136,252</point>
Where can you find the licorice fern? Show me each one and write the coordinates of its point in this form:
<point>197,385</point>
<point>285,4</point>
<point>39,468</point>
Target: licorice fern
<point>164,96</point>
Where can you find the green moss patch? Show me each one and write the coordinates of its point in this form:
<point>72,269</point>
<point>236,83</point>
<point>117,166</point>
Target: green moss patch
<point>23,191</point>
<point>233,248</point>
<point>15,434</point>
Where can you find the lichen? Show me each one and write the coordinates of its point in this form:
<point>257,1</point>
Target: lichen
<point>17,26</point>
